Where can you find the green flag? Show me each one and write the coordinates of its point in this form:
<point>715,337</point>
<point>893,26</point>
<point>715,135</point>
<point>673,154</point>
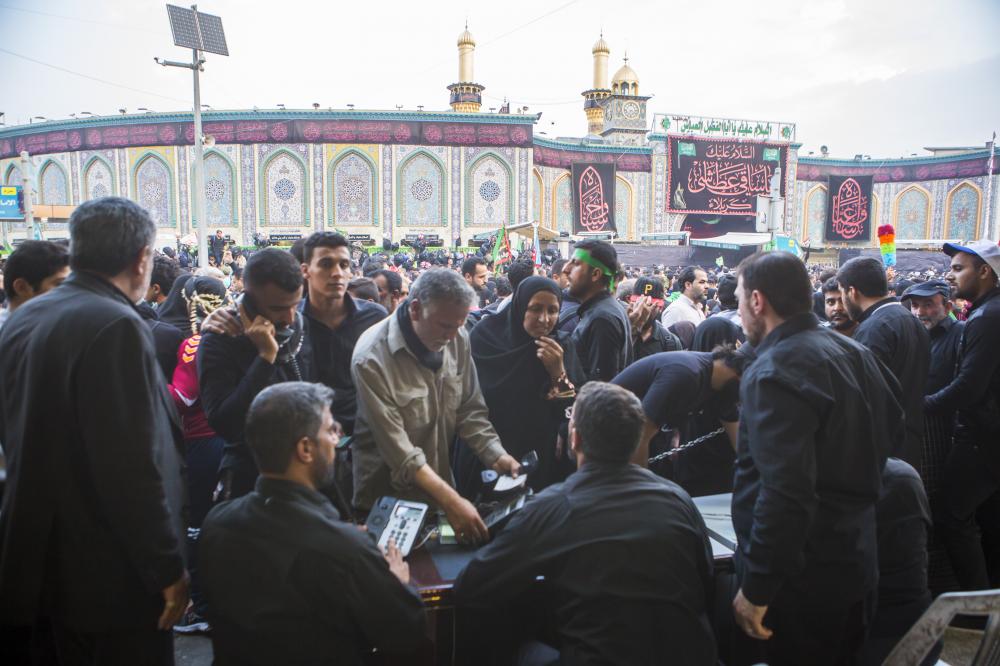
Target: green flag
<point>685,148</point>
<point>771,155</point>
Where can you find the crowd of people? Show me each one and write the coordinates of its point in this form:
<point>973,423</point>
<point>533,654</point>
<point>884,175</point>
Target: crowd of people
<point>193,449</point>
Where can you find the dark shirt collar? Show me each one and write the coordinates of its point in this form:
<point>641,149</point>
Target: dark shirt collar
<point>942,327</point>
<point>593,301</point>
<point>992,293</point>
<point>599,467</point>
<point>788,328</point>
<point>429,359</point>
<point>270,487</point>
<point>98,283</point>
<point>305,307</point>
<point>871,310</point>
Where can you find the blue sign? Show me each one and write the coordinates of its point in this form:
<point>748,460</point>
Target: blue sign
<point>10,203</point>
<point>786,244</point>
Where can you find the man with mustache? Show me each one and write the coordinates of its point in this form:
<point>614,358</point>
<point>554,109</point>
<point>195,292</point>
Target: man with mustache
<point>837,316</point>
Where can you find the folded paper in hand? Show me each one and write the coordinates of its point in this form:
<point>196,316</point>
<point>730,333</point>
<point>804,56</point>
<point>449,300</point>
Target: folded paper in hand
<point>507,482</point>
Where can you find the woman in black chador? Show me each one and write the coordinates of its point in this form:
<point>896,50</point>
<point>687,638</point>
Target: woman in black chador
<point>527,372</point>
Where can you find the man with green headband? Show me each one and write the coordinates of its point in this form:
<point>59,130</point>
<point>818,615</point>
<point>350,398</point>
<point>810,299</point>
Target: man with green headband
<point>603,336</point>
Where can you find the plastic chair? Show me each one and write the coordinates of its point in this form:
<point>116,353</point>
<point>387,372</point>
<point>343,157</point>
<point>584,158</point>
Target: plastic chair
<point>922,636</point>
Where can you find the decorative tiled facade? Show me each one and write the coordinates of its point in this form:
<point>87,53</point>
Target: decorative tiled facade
<point>462,183</point>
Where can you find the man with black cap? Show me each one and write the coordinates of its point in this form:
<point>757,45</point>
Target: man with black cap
<point>972,472</point>
<point>603,336</point>
<point>930,302</point>
<point>896,337</point>
<point>649,335</point>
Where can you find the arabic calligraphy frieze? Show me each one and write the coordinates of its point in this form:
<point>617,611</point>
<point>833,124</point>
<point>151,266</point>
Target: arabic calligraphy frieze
<point>272,131</point>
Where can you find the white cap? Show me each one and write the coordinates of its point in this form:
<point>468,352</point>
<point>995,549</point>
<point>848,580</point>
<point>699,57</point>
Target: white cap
<point>985,249</point>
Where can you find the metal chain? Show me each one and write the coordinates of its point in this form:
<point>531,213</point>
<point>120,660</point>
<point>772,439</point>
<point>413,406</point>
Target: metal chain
<point>686,446</point>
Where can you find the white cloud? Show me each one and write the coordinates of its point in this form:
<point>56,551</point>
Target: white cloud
<point>782,59</point>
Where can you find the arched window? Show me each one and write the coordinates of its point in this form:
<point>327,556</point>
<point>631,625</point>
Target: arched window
<point>562,204</point>
<point>421,191</point>
<point>489,196</point>
<point>13,176</point>
<point>53,185</point>
<point>98,180</point>
<point>814,215</point>
<point>962,212</point>
<point>623,208</point>
<point>538,200</point>
<point>912,214</point>
<point>154,189</point>
<point>352,189</point>
<point>284,191</point>
<point>220,177</point>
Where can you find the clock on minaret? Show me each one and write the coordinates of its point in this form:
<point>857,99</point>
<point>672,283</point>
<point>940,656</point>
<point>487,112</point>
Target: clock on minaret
<point>630,110</point>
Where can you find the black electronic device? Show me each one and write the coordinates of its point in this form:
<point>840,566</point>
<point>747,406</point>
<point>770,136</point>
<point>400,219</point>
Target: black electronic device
<point>496,519</point>
<point>289,338</point>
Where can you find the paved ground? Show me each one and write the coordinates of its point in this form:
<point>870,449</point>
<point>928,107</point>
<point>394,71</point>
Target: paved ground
<point>959,648</point>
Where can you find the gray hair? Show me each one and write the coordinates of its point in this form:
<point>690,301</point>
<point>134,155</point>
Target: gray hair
<point>108,234</point>
<point>441,285</point>
<point>280,416</point>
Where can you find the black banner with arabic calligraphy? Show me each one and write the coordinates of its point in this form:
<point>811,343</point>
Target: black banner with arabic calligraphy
<point>721,176</point>
<point>593,198</point>
<point>849,208</point>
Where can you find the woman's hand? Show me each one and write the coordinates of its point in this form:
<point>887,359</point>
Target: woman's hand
<point>550,353</point>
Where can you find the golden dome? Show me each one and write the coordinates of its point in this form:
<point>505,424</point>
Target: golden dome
<point>601,46</point>
<point>625,75</point>
<point>466,38</point>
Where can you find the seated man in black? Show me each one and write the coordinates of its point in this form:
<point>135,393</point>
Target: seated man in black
<point>286,580</point>
<point>624,553</point>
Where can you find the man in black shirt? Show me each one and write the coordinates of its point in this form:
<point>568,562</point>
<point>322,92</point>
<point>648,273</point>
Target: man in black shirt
<point>603,335</point>
<point>818,419</point>
<point>334,319</point>
<point>896,338</point>
<point>837,316</point>
<point>674,386</point>
<point>972,473</point>
<point>930,303</point>
<point>903,519</point>
<point>624,553</point>
<point>233,370</point>
<point>287,581</point>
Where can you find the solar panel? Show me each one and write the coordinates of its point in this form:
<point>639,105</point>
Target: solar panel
<point>184,27</point>
<point>194,30</point>
<point>212,36</point>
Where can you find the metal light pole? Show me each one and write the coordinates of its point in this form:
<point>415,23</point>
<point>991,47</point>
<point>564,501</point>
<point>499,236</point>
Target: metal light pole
<point>28,194</point>
<point>199,32</point>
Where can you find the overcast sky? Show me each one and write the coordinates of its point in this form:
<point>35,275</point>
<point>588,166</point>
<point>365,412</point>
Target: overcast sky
<point>878,77</point>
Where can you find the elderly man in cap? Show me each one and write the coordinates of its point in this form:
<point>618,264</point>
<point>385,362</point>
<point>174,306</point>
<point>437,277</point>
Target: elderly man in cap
<point>930,302</point>
<point>972,473</point>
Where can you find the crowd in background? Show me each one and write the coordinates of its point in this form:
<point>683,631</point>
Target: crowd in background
<point>410,374</point>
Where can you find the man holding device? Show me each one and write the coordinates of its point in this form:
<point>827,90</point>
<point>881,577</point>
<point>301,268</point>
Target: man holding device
<point>417,390</point>
<point>286,579</point>
<point>233,370</point>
